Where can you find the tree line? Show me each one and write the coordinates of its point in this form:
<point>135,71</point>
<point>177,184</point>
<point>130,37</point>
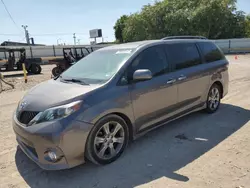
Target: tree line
<point>214,19</point>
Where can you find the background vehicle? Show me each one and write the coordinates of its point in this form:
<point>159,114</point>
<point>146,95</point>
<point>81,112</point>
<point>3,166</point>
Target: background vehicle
<point>16,57</point>
<point>115,95</point>
<point>70,56</point>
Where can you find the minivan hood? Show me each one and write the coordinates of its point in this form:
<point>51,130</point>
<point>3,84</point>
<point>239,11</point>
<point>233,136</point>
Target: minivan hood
<point>54,93</point>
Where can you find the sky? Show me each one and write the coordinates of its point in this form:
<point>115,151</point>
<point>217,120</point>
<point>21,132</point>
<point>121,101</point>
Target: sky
<point>55,21</point>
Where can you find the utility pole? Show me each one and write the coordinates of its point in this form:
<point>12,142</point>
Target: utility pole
<point>58,41</point>
<point>74,36</point>
<point>78,41</point>
<point>26,34</point>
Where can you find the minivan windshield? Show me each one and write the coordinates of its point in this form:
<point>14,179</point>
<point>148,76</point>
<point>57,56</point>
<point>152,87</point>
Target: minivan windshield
<point>98,67</point>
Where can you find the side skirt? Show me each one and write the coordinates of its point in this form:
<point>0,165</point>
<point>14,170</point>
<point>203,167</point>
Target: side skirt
<point>174,117</point>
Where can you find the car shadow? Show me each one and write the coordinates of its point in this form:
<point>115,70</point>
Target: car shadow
<point>158,154</point>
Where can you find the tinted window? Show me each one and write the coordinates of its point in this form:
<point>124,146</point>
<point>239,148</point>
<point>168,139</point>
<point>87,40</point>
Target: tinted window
<point>183,55</point>
<point>153,59</point>
<point>211,52</point>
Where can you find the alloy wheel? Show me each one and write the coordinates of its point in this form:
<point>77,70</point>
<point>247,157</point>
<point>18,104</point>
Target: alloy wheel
<point>109,140</point>
<point>214,98</point>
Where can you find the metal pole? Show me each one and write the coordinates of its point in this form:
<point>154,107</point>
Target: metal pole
<point>74,36</point>
<point>54,50</point>
<point>28,37</point>
<point>229,46</point>
<point>26,34</point>
<point>24,73</point>
<point>58,41</point>
<point>31,53</point>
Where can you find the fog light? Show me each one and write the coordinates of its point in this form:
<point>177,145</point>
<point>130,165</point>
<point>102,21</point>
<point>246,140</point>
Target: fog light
<point>52,155</point>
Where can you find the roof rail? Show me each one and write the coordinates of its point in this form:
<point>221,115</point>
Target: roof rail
<point>184,37</point>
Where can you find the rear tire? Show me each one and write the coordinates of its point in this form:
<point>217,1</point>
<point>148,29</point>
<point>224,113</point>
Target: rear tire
<point>213,99</point>
<point>102,148</point>
<point>36,69</point>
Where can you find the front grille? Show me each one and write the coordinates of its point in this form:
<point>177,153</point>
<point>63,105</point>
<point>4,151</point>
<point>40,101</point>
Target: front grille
<point>26,116</point>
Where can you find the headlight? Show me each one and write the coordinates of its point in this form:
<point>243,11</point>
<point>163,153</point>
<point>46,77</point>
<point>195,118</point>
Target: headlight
<point>56,113</point>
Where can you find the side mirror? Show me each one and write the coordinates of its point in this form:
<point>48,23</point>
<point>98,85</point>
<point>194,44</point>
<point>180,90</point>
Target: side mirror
<point>142,74</point>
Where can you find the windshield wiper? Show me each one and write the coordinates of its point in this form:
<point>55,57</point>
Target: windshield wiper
<point>56,77</point>
<point>75,81</point>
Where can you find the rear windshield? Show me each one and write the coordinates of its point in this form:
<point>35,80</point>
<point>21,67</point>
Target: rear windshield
<point>211,52</point>
<point>99,66</point>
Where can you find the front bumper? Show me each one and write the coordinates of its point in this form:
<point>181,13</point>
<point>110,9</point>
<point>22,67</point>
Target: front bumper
<point>66,138</point>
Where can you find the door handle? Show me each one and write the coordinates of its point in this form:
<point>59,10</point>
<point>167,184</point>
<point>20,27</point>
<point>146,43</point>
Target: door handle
<point>171,81</point>
<point>182,77</point>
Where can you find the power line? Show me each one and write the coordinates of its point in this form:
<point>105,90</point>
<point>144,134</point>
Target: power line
<point>60,34</point>
<point>45,34</point>
<point>10,15</point>
<point>4,34</point>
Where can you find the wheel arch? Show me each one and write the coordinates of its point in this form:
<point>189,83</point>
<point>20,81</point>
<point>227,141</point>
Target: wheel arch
<point>128,122</point>
<point>125,118</point>
<point>221,87</point>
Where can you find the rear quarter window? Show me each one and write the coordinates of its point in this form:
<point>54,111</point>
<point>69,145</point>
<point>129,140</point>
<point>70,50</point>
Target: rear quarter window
<point>211,52</point>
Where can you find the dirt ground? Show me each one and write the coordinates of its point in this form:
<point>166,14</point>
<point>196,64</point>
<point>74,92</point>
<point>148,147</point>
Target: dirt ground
<point>214,151</point>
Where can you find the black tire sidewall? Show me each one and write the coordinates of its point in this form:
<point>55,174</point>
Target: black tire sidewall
<point>91,155</point>
<point>36,69</point>
<point>208,109</point>
<point>55,70</point>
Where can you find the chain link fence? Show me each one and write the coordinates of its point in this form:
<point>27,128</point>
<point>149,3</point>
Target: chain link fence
<point>55,51</point>
<point>234,46</point>
<point>49,52</point>
<point>228,46</point>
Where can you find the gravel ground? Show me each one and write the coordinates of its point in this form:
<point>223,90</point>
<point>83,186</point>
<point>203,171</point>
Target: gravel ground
<point>212,151</point>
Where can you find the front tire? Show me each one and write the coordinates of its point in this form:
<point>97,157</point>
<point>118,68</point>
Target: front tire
<point>107,140</point>
<point>213,99</point>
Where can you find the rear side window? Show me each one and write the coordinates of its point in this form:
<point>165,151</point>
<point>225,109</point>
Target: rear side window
<point>183,55</point>
<point>211,52</point>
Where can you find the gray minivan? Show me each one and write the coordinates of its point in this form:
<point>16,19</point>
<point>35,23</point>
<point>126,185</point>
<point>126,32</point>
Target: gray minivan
<point>115,95</point>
